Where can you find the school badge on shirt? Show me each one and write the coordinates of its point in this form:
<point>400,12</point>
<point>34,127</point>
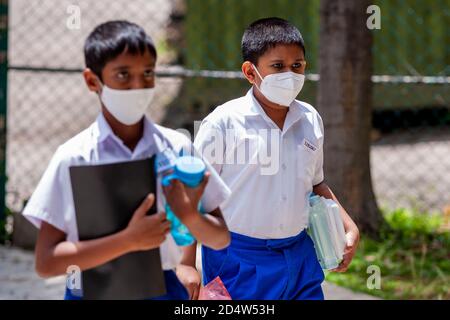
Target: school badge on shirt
<point>309,145</point>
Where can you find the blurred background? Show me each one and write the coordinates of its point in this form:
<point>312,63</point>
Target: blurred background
<point>198,43</point>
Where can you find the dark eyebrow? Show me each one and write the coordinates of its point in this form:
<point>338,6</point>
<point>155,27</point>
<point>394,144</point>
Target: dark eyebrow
<point>280,60</point>
<point>121,68</point>
<point>126,67</point>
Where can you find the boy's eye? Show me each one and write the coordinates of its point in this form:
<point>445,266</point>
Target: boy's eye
<point>278,65</point>
<point>299,65</point>
<point>123,75</point>
<point>149,73</point>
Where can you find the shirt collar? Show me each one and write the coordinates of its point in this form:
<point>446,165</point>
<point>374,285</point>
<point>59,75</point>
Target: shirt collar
<point>102,130</point>
<point>253,108</point>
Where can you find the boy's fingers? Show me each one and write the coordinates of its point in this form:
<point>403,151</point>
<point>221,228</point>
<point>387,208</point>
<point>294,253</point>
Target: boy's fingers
<point>350,239</point>
<point>144,207</point>
<point>176,184</point>
<point>338,269</point>
<point>162,215</point>
<point>193,293</point>
<point>192,288</point>
<point>205,181</point>
<point>162,238</point>
<point>168,189</point>
<point>161,222</point>
<point>343,265</point>
<point>165,225</point>
<point>196,293</point>
<point>148,202</point>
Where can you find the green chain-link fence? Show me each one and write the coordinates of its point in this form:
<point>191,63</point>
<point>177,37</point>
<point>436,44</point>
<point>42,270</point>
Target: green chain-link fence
<point>199,50</point>
<point>411,136</point>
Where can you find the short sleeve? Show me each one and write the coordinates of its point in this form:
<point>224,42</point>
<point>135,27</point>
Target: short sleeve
<point>318,171</point>
<point>210,143</point>
<point>216,191</point>
<point>48,201</point>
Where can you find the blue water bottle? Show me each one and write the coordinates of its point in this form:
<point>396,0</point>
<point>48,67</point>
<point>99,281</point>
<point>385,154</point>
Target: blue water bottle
<point>190,171</point>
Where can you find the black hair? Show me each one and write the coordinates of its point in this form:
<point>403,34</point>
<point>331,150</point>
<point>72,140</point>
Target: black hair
<point>112,38</point>
<point>264,34</point>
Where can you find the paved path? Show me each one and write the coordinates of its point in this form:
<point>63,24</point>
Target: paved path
<point>19,281</point>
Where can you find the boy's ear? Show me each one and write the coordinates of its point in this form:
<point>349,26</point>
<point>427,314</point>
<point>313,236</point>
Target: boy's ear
<point>249,72</point>
<point>91,80</point>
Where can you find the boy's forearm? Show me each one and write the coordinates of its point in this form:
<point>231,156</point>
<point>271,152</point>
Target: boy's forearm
<point>189,255</point>
<point>208,229</point>
<point>83,254</point>
<point>324,190</point>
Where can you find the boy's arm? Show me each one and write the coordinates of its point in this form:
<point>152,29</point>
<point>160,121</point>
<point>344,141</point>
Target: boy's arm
<point>54,254</point>
<point>187,272</point>
<point>209,229</point>
<point>351,230</point>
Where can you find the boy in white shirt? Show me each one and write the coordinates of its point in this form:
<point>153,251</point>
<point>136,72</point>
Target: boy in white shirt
<point>120,62</point>
<point>270,255</point>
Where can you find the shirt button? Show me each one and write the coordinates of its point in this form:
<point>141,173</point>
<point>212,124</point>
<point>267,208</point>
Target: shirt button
<point>283,166</point>
<point>284,198</point>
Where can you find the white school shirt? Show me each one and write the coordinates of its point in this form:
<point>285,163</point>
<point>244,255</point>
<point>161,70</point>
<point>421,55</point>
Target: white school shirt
<point>270,195</point>
<point>52,200</point>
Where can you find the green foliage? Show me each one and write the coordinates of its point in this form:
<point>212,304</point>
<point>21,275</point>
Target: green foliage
<point>214,29</point>
<point>412,223</point>
<point>413,256</point>
<point>413,38</point>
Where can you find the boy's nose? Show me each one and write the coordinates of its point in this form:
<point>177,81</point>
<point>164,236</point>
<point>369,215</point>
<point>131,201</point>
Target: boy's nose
<point>139,83</point>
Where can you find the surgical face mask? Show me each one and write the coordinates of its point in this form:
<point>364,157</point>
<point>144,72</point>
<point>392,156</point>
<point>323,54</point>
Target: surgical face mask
<point>127,106</point>
<point>281,88</point>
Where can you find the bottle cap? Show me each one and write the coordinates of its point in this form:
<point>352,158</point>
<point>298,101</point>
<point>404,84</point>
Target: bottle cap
<point>189,170</point>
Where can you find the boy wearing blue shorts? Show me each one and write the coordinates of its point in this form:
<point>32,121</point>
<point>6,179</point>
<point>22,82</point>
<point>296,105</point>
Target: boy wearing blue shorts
<point>268,148</point>
<point>120,68</point>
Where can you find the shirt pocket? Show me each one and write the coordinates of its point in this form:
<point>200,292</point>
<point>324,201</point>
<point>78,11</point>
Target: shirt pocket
<point>306,160</point>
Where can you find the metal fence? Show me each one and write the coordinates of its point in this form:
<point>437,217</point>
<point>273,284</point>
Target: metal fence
<point>199,57</point>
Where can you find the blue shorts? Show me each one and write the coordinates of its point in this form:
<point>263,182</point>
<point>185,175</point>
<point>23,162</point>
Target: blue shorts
<point>279,269</point>
<point>175,289</point>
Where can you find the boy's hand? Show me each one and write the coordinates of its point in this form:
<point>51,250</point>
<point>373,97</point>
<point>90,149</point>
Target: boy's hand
<point>190,278</point>
<point>184,200</point>
<point>349,251</point>
<point>146,232</point>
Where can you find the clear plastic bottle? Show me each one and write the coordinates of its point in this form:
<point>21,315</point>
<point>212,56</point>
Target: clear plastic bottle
<point>336,227</point>
<point>327,231</point>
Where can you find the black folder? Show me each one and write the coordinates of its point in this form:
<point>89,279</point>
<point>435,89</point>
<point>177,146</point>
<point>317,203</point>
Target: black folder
<point>105,198</point>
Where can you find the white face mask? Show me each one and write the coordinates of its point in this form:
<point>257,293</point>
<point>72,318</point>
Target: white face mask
<point>281,88</point>
<point>127,106</point>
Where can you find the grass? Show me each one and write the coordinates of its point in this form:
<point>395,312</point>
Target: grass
<point>413,257</point>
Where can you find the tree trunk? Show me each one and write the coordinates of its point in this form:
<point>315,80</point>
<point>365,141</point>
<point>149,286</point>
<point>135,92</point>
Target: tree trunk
<point>345,103</point>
